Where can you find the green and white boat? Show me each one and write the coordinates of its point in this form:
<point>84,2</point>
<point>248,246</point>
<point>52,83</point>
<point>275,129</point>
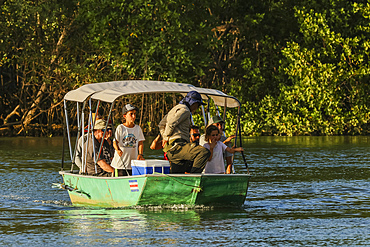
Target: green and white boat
<point>156,189</point>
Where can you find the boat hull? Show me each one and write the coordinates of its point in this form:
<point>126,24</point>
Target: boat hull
<point>158,189</point>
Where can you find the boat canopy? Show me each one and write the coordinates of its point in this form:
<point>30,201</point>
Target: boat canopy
<point>110,91</point>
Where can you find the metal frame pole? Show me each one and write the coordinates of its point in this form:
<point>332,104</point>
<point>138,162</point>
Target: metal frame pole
<point>91,124</point>
<point>84,147</point>
<point>208,111</point>
<point>105,131</point>
<point>79,124</point>
<point>225,107</point>
<point>204,116</point>
<point>68,133</point>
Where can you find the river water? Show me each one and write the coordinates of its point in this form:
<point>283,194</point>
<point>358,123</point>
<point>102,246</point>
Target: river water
<point>305,191</point>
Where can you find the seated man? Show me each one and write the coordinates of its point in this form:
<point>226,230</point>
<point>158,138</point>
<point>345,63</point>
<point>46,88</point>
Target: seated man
<point>103,169</point>
<point>108,146</point>
<point>158,142</point>
<point>194,134</point>
<point>78,157</point>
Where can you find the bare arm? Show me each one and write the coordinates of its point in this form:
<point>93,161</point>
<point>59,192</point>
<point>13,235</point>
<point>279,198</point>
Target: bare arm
<point>156,144</point>
<point>233,150</point>
<point>118,150</point>
<point>226,142</point>
<point>140,148</point>
<point>106,167</point>
<point>229,162</point>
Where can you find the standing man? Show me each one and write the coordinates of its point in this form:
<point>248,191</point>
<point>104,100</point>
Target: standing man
<point>220,124</point>
<point>185,157</point>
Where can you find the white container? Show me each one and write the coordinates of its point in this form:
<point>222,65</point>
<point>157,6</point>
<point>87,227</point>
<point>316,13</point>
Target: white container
<point>142,167</point>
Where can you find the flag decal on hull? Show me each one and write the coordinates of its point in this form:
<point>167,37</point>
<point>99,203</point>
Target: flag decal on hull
<point>133,185</point>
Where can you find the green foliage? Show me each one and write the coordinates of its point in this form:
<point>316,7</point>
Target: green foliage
<point>299,68</point>
<point>148,39</point>
<point>326,70</point>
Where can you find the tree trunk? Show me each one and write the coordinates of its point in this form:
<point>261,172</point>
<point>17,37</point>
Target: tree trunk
<point>30,115</point>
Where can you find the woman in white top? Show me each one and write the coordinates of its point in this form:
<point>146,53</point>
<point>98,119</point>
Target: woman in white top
<point>128,142</point>
<point>215,162</point>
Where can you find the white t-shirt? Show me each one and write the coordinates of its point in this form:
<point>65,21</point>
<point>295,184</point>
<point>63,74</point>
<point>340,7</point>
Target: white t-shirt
<point>128,141</point>
<point>202,141</point>
<point>216,164</point>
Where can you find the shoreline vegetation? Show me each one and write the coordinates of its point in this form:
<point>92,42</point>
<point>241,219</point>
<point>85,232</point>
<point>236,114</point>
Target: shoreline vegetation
<point>298,68</point>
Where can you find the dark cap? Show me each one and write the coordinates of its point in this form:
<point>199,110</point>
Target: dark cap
<point>195,97</point>
<point>128,108</point>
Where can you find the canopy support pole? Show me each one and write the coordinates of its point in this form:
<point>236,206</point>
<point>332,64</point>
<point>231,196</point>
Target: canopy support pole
<point>105,131</point>
<point>90,130</point>
<point>204,116</point>
<point>223,131</point>
<point>238,128</point>
<point>208,111</point>
<point>79,124</point>
<point>91,127</point>
<point>84,147</point>
<point>63,144</point>
<point>67,125</point>
<point>225,107</point>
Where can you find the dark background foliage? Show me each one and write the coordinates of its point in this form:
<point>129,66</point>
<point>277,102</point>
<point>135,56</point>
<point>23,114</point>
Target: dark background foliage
<point>299,68</point>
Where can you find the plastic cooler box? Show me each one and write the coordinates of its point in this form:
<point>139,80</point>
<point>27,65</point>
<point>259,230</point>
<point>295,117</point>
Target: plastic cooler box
<point>142,167</point>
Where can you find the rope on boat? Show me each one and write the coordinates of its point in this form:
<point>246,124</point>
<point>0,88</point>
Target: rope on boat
<point>195,188</point>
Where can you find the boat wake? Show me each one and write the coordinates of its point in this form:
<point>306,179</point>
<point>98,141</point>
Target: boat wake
<point>174,207</point>
<point>55,202</point>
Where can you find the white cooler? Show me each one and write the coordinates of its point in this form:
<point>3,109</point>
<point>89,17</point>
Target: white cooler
<point>142,167</point>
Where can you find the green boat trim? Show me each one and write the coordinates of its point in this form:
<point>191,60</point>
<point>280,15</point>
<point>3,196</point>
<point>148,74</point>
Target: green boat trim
<point>157,189</point>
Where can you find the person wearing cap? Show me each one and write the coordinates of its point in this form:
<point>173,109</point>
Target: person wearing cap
<point>108,145</point>
<point>184,157</point>
<point>158,143</point>
<point>78,157</point>
<point>220,124</point>
<point>102,167</point>
<point>108,142</point>
<point>93,114</point>
<point>128,142</point>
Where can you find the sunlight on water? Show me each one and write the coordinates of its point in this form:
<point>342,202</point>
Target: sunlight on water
<point>304,191</point>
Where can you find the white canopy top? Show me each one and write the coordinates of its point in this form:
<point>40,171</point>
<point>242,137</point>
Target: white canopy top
<point>110,91</point>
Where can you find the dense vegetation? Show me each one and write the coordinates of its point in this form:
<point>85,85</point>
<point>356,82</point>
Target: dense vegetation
<point>298,67</point>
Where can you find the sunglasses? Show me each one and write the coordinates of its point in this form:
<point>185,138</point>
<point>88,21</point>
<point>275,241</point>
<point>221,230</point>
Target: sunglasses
<point>109,129</point>
<point>196,135</point>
